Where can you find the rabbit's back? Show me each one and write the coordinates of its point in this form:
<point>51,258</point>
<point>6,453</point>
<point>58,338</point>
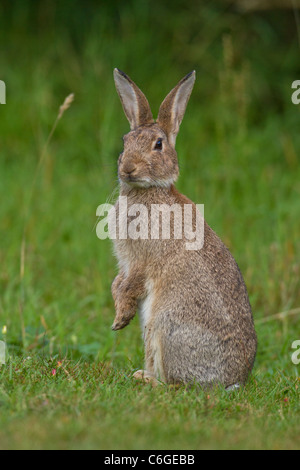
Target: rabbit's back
<point>202,319</point>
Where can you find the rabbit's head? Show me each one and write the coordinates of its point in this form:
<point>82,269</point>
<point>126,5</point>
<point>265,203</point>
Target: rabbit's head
<point>149,157</point>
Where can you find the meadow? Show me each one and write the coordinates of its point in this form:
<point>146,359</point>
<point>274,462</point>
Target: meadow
<point>67,379</point>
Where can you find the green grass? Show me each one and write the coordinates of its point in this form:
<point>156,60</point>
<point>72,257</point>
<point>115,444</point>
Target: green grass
<point>91,405</point>
<point>238,152</point>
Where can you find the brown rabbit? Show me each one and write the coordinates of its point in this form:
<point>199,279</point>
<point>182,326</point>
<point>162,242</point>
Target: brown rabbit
<point>193,304</point>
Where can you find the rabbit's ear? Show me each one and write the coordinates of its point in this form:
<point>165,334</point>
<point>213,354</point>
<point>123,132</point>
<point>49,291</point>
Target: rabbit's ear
<point>173,107</point>
<point>134,102</point>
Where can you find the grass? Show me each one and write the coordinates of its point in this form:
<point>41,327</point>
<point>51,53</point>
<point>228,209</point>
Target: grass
<point>92,405</point>
<point>238,152</point>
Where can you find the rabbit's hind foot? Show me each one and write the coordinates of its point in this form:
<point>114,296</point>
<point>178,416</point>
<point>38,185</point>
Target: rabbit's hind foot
<point>146,377</point>
<point>232,387</point>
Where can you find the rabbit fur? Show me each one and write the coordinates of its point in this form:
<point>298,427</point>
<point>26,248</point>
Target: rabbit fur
<point>194,310</point>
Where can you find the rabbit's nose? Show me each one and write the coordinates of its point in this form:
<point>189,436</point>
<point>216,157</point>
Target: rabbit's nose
<point>129,169</point>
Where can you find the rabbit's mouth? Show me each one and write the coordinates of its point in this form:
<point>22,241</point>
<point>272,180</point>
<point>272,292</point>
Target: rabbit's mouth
<point>135,181</point>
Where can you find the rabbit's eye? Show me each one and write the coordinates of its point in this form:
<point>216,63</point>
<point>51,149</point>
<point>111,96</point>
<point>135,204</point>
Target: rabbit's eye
<point>158,145</point>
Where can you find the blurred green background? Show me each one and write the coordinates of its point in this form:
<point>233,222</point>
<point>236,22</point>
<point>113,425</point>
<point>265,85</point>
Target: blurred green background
<point>67,381</point>
<point>238,149</point>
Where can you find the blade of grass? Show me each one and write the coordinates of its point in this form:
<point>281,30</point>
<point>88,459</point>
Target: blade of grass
<point>66,105</point>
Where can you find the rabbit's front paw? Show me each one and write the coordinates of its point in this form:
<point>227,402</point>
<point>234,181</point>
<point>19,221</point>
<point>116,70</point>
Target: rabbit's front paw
<point>115,287</point>
<point>120,322</point>
<point>125,311</point>
<point>123,319</point>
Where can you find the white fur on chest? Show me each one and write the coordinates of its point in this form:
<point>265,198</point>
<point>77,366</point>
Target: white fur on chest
<point>145,307</point>
<point>151,335</point>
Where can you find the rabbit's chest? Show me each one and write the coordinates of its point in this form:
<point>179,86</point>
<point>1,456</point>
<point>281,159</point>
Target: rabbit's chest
<point>131,232</point>
<point>145,306</point>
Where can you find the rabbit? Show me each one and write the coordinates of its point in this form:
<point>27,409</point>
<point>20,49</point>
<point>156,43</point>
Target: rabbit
<point>193,305</point>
